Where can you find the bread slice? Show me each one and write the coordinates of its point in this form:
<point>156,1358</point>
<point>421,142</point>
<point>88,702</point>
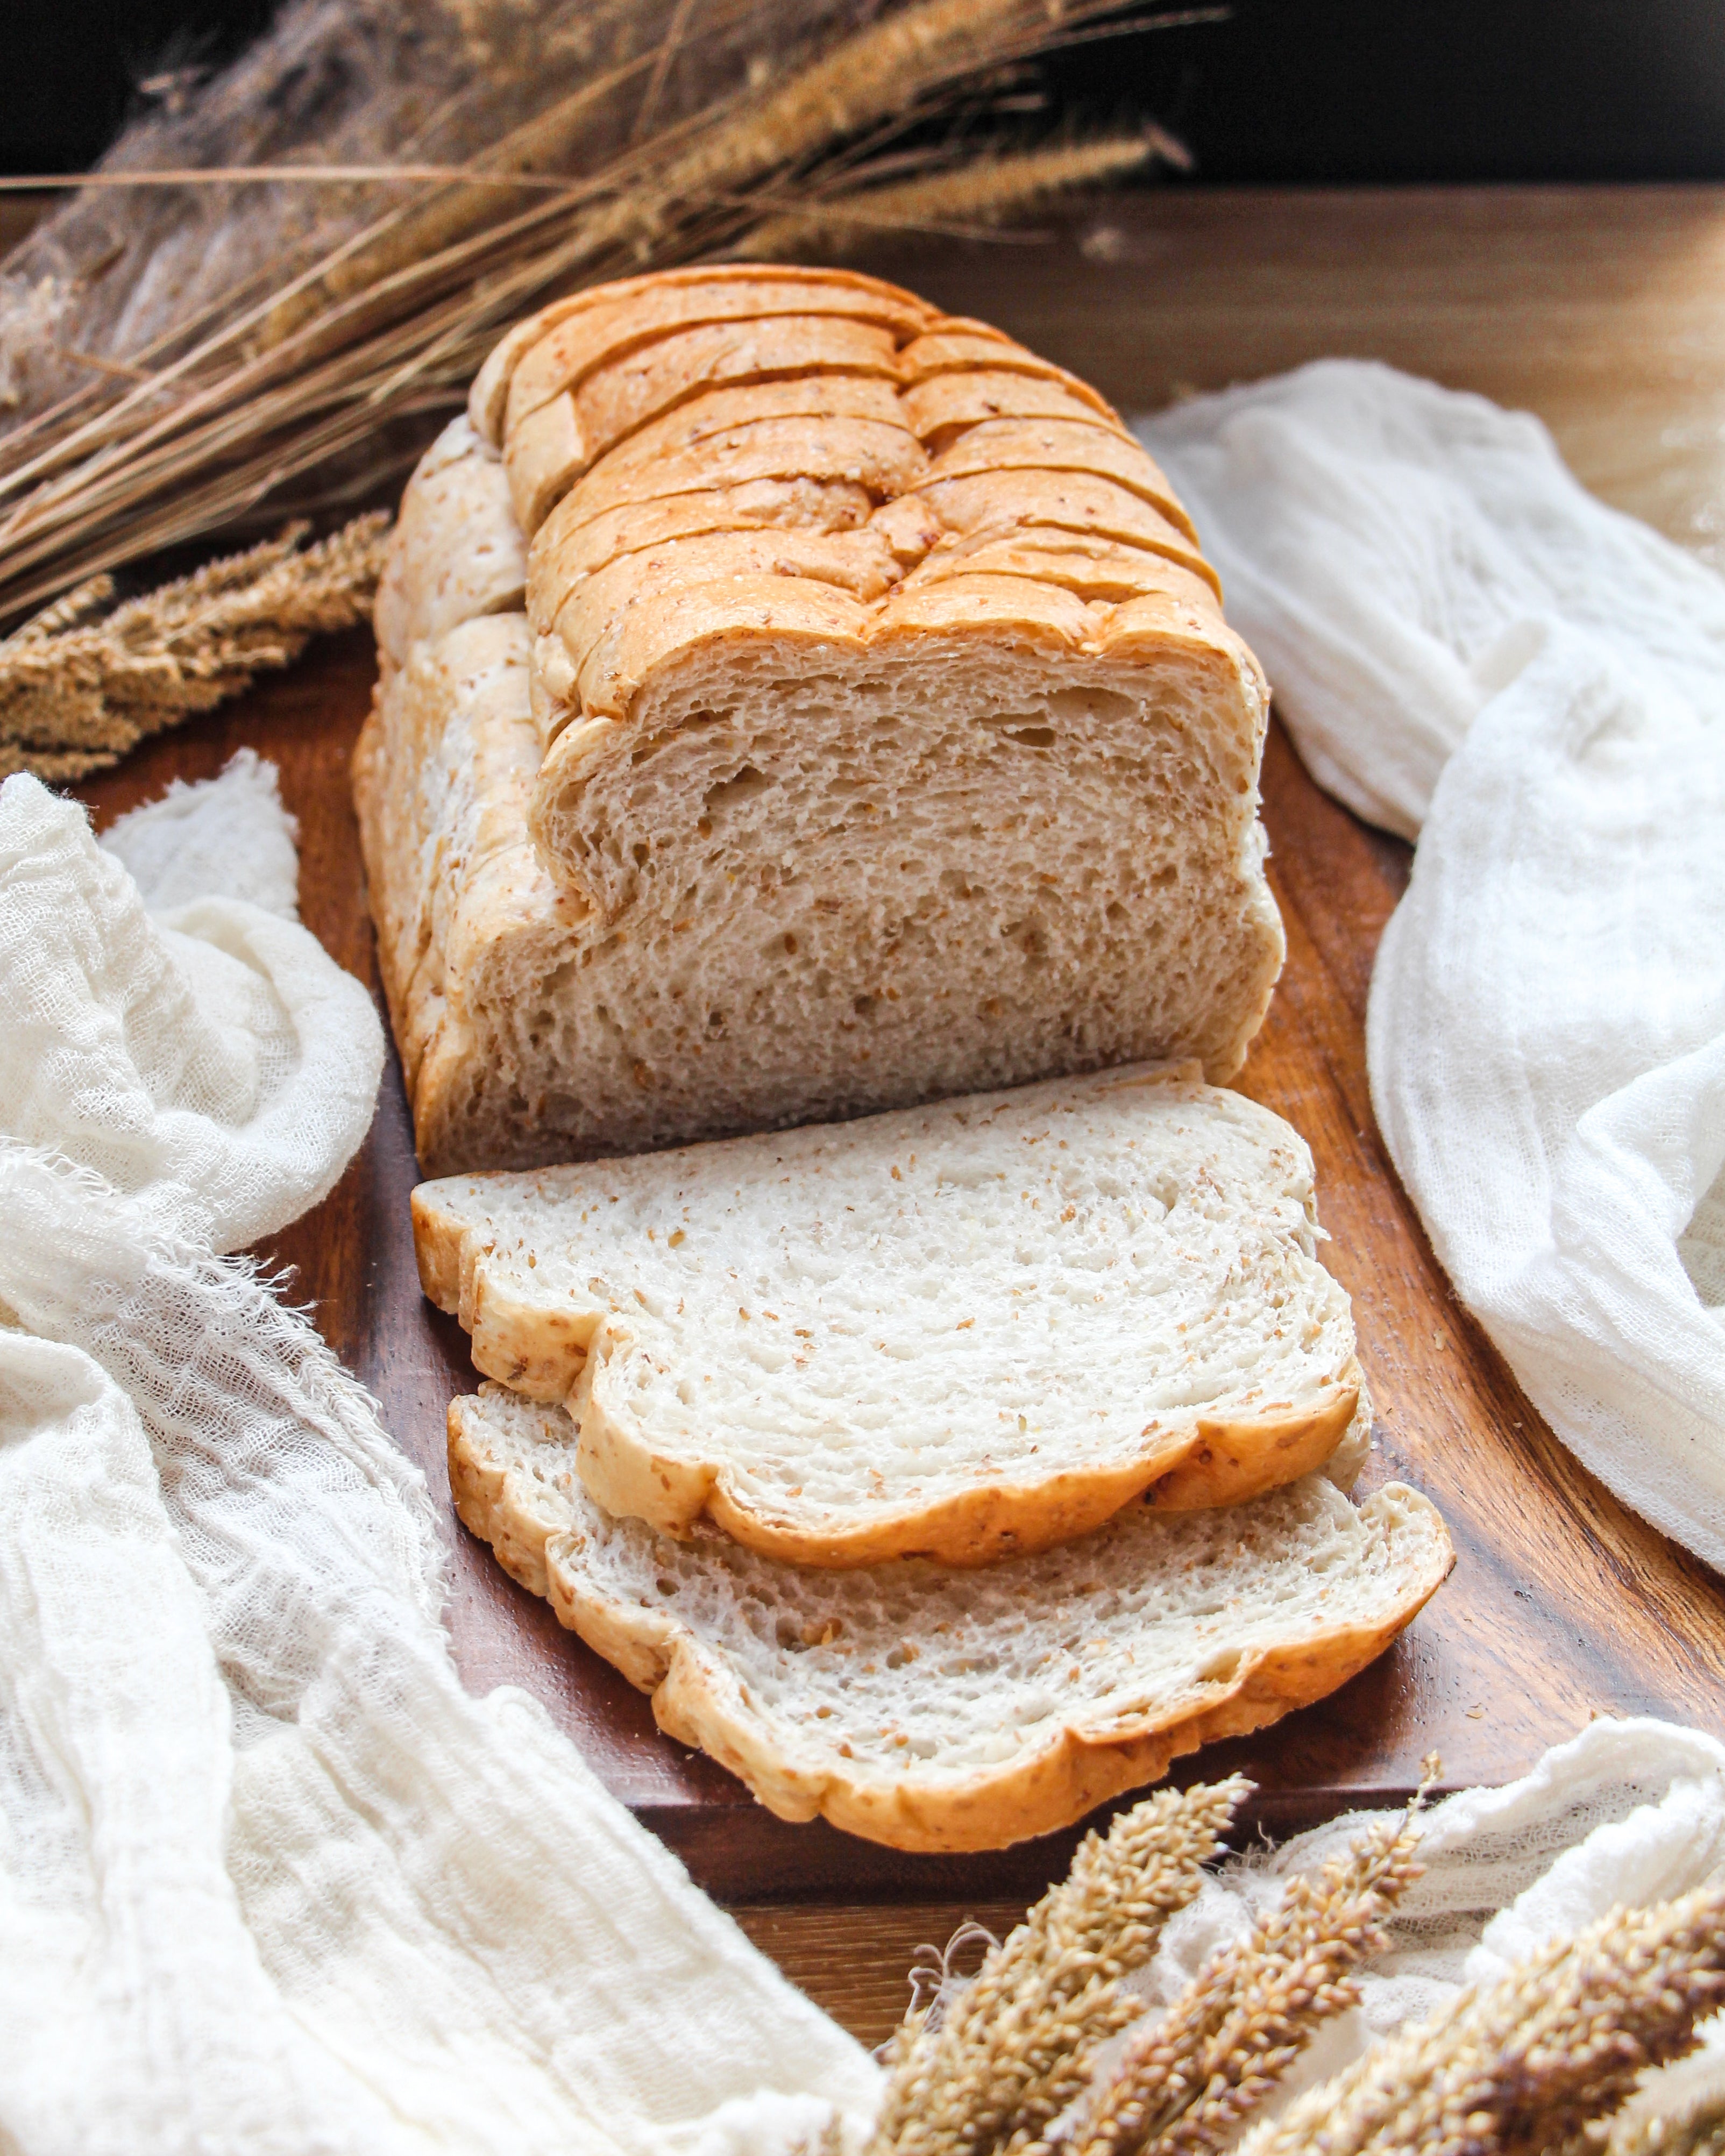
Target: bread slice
<point>841,774</point>
<point>958,1330</point>
<point>933,1709</point>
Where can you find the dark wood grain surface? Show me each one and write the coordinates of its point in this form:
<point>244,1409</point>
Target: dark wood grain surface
<point>1563,1605</point>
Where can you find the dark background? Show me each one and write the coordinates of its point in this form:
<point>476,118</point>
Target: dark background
<point>1285,91</point>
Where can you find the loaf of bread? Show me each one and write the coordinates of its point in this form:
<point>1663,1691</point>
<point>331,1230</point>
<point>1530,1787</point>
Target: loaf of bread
<point>795,703</point>
<point>958,1330</point>
<point>933,1709</point>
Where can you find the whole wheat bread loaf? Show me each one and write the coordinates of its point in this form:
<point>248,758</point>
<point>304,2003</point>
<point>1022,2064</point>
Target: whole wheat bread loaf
<point>958,1330</point>
<point>796,703</point>
<point>933,1709</point>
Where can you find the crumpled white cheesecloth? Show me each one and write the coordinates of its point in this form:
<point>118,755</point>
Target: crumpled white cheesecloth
<point>270,1880</point>
<point>1470,649</point>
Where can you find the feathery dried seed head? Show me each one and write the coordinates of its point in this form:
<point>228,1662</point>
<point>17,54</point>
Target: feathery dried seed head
<point>76,693</point>
<point>1007,2053</point>
<point>329,356</point>
<point>974,194</point>
<point>1526,2065</point>
<point>1187,2080</point>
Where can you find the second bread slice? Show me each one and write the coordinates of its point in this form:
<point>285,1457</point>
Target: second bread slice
<point>933,1709</point>
<point>957,1331</point>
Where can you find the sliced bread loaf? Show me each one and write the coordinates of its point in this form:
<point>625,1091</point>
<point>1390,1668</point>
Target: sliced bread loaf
<point>933,1709</point>
<point>878,734</point>
<point>958,1330</point>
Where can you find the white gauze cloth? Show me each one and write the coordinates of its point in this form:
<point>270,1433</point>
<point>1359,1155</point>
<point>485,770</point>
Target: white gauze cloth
<point>1469,649</point>
<point>270,1880</point>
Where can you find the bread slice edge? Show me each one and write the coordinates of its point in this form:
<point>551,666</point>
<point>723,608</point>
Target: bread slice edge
<point>699,1700</point>
<point>1190,1464</point>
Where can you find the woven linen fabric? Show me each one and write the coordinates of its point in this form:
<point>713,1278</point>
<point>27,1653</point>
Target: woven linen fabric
<point>1469,649</point>
<point>269,1879</point>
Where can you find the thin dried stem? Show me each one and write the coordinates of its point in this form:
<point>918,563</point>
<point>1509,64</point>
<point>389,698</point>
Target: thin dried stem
<point>676,30</point>
<point>1006,2053</point>
<point>76,693</point>
<point>252,175</point>
<point>1527,2063</point>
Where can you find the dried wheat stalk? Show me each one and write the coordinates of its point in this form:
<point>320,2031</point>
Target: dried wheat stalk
<point>78,688</point>
<point>1184,2084</point>
<point>311,341</point>
<point>1009,2051</point>
<point>964,201</point>
<point>1528,2064</point>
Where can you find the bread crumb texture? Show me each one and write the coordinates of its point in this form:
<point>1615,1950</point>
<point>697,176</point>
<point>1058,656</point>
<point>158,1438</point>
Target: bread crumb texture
<point>936,1709</point>
<point>962,1330</point>
<point>795,703</point>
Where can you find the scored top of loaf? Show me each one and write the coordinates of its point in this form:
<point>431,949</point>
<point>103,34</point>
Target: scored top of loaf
<point>806,543</point>
<point>651,431</point>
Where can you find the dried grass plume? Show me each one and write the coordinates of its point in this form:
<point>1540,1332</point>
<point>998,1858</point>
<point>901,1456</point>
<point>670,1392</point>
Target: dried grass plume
<point>80,686</point>
<point>1183,2086</point>
<point>990,2064</point>
<point>185,362</point>
<point>1531,2062</point>
<point>1554,2061</point>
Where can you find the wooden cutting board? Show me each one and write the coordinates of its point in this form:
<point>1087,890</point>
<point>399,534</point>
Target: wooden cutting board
<point>1562,1605</point>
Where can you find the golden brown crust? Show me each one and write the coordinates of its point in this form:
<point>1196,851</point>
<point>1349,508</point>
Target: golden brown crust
<point>697,1700</point>
<point>992,505</point>
<point>626,394</point>
<point>1187,1464</point>
<point>549,449</point>
<point>953,347</point>
<point>1094,569</point>
<point>780,422</point>
<point>488,400</point>
<point>790,387</point>
<point>881,456</point>
<point>649,310</point>
<point>943,406</point>
<point>1062,445</point>
<point>666,410</point>
<point>1190,1464</point>
<point>857,562</point>
<point>560,556</point>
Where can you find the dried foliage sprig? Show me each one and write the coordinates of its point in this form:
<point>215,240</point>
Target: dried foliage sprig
<point>972,197</point>
<point>1554,2061</point>
<point>1526,2064</point>
<point>80,686</point>
<point>1185,2082</point>
<point>309,345</point>
<point>989,2066</point>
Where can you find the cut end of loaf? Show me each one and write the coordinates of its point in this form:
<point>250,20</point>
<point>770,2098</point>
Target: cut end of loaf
<point>934,1710</point>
